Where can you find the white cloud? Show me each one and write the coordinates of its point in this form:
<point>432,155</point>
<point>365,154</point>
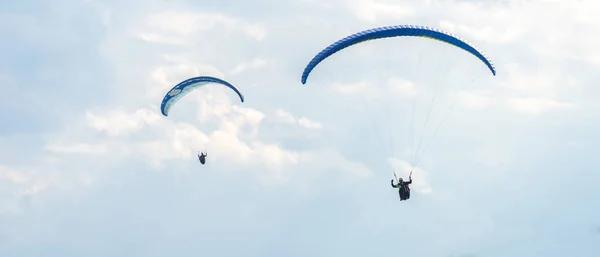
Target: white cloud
<point>78,148</point>
<point>254,64</point>
<point>274,163</point>
<point>162,39</point>
<point>540,23</point>
<point>116,123</point>
<point>256,31</point>
<point>215,102</point>
<point>535,82</point>
<point>161,140</point>
<point>403,86</point>
<point>394,85</point>
<point>475,99</point>
<point>178,140</point>
<point>484,32</point>
<point>276,156</point>
<point>287,118</point>
<point>309,123</point>
<point>351,88</point>
<point>284,117</point>
<point>525,91</point>
<point>13,176</point>
<point>376,10</point>
<point>247,116</point>
<point>21,182</point>
<point>535,106</point>
<point>178,27</point>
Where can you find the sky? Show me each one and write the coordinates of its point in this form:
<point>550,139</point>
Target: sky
<point>90,167</point>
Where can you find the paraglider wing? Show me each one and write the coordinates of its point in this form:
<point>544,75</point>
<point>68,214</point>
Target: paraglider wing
<point>185,87</point>
<point>395,31</point>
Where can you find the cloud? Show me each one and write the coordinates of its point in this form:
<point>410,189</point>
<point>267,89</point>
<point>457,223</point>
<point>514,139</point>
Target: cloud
<point>22,183</point>
<point>89,166</point>
<point>254,64</point>
<point>177,27</point>
<point>116,123</point>
<point>78,148</point>
<point>534,106</point>
<point>486,32</point>
<point>376,10</point>
<point>305,122</point>
<point>233,139</point>
<point>516,21</point>
<point>353,88</point>
<point>475,100</point>
<point>288,118</point>
<point>405,87</point>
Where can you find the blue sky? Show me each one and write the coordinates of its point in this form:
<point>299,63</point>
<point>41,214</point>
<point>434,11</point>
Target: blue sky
<point>89,167</point>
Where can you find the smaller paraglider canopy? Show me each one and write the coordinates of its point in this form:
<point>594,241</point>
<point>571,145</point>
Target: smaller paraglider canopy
<point>185,87</point>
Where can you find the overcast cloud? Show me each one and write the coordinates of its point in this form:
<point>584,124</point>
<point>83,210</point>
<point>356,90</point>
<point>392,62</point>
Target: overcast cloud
<point>89,166</point>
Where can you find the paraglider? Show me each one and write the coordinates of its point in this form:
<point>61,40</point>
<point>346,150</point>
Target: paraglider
<point>397,31</point>
<point>184,88</point>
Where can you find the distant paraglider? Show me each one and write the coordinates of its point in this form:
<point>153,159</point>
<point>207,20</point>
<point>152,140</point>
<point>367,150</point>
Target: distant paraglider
<point>187,86</point>
<point>202,157</point>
